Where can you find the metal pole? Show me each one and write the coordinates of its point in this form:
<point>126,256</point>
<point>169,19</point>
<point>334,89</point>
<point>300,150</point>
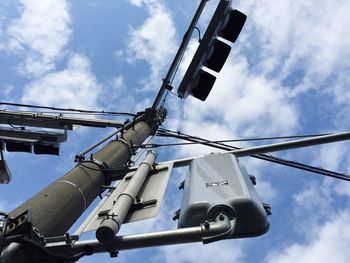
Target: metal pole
<point>81,228</point>
<point>274,147</point>
<point>292,144</point>
<point>179,54</point>
<point>52,121</point>
<point>80,156</point>
<point>221,228</point>
<point>269,158</point>
<point>111,225</point>
<point>55,209</point>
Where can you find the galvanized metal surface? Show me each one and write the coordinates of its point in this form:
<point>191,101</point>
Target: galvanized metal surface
<point>153,189</point>
<point>343,136</point>
<point>177,59</point>
<point>56,208</point>
<point>215,230</point>
<point>53,121</point>
<point>113,219</point>
<point>216,184</point>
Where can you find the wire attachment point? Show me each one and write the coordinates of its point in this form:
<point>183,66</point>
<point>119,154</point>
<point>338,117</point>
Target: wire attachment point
<point>199,34</point>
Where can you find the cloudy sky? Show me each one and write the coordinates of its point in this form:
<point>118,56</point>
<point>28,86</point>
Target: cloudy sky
<point>287,74</point>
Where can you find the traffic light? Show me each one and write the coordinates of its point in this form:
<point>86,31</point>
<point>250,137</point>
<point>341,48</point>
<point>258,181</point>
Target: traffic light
<point>219,184</point>
<point>19,146</point>
<point>212,52</point>
<point>47,148</point>
<point>39,142</point>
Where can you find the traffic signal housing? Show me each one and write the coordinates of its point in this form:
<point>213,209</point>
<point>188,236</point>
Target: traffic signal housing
<point>219,184</point>
<point>212,52</point>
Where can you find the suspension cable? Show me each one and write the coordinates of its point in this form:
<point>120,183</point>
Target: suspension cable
<point>266,157</point>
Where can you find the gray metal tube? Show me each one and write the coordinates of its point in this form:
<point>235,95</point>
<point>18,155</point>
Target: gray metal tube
<point>330,138</point>
<point>80,155</point>
<point>221,228</point>
<point>90,148</point>
<point>292,144</point>
<point>53,121</point>
<point>111,225</point>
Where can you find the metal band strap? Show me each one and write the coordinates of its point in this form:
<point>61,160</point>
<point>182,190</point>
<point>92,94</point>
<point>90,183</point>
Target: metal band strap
<point>79,189</point>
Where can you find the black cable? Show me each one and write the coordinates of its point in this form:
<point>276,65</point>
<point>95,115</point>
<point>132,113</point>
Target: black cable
<point>265,157</point>
<point>199,34</point>
<point>122,168</point>
<point>179,62</point>
<point>65,109</point>
<point>177,68</point>
<point>173,93</point>
<point>22,128</point>
<point>90,168</point>
<point>172,80</point>
<point>164,133</point>
<point>232,140</point>
<point>166,95</point>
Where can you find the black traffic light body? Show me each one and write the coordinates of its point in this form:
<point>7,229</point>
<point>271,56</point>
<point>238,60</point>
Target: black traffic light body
<point>39,142</point>
<point>212,52</point>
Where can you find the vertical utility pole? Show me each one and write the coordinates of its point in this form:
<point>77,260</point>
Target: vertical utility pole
<point>56,208</point>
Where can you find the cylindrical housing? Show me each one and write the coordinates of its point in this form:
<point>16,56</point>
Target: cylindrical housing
<point>111,225</point>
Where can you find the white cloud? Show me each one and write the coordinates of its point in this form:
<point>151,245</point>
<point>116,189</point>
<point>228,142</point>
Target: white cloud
<point>241,103</point>
<point>319,215</point>
<point>331,156</point>
<point>285,40</point>
<point>309,36</point>
<point>314,197</point>
<point>331,243</point>
<point>320,219</point>
<point>341,88</point>
<point>137,3</point>
<point>222,251</point>
<point>74,87</point>
<point>40,35</point>
<point>154,41</point>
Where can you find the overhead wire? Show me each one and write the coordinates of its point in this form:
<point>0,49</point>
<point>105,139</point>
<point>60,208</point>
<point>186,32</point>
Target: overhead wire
<point>114,169</point>
<point>266,157</point>
<point>234,140</point>
<point>164,99</point>
<point>22,128</point>
<point>199,34</point>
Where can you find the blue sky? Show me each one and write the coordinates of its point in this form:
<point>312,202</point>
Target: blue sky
<point>287,74</point>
